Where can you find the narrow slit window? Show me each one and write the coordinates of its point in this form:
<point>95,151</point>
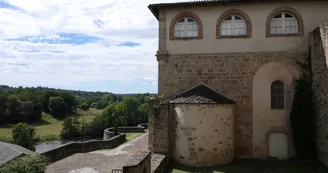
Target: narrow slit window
<point>277,95</point>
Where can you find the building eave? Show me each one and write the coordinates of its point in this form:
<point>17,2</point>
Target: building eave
<point>154,8</point>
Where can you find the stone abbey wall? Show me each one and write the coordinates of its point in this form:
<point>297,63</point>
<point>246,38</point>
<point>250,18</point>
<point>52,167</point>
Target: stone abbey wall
<point>203,134</point>
<point>229,73</point>
<point>319,55</point>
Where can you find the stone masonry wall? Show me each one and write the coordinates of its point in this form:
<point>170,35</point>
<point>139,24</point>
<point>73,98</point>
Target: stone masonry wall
<point>160,140</point>
<point>319,51</point>
<point>139,163</point>
<point>231,74</point>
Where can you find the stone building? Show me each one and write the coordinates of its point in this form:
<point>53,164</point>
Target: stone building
<point>244,50</point>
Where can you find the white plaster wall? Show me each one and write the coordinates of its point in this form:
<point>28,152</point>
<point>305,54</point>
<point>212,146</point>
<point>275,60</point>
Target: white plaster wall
<point>204,134</point>
<point>313,13</point>
<point>265,119</point>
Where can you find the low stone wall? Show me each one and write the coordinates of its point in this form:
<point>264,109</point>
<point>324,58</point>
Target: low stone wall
<point>159,162</point>
<point>144,125</point>
<point>108,133</point>
<point>139,163</point>
<point>83,147</point>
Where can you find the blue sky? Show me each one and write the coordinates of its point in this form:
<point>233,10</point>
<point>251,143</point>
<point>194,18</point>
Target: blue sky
<point>101,45</point>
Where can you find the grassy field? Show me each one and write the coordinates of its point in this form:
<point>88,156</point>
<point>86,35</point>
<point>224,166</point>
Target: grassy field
<point>254,166</point>
<point>49,125</point>
<point>130,136</point>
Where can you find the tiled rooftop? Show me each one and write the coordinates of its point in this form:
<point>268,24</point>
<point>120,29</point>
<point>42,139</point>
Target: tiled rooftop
<point>202,94</point>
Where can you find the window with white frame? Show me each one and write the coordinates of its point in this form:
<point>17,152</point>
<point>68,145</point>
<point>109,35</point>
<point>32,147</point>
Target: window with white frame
<point>186,27</point>
<point>284,23</point>
<point>233,26</point>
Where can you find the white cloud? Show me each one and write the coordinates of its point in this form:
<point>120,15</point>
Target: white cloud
<point>114,22</point>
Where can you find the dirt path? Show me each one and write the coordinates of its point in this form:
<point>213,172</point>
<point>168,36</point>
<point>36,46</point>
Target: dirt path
<point>102,161</point>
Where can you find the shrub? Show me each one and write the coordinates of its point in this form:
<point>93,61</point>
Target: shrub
<point>85,106</point>
<point>71,128</point>
<point>24,135</point>
<point>4,139</point>
<point>27,164</point>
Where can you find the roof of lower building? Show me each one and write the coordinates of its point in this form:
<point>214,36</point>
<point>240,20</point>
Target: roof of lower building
<point>154,8</point>
<point>9,152</point>
<point>202,94</point>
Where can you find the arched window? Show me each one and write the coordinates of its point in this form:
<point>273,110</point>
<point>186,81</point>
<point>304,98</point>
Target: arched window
<point>284,23</point>
<point>277,95</point>
<point>233,25</point>
<point>186,27</point>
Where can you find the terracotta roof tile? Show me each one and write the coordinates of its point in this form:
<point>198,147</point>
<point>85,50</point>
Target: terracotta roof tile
<point>202,94</point>
<point>154,8</point>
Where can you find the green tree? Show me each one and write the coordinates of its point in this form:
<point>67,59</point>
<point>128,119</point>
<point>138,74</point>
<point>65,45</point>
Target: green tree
<point>24,135</point>
<point>46,98</point>
<point>71,128</point>
<point>57,107</point>
<point>3,108</point>
<point>85,106</point>
<point>70,101</point>
<point>15,109</point>
<point>27,109</point>
<point>94,105</point>
<point>143,113</point>
<point>131,110</point>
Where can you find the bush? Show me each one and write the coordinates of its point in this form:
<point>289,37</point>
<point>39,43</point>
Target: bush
<point>71,128</point>
<point>4,139</point>
<point>27,164</point>
<point>85,106</point>
<point>24,135</point>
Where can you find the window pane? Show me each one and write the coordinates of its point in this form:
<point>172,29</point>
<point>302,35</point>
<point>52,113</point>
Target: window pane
<point>181,21</point>
<point>288,16</point>
<point>191,20</point>
<point>223,32</point>
<point>195,33</point>
<point>229,32</point>
<point>238,18</point>
<point>189,34</point>
<point>228,18</point>
<point>278,16</point>
<point>277,95</point>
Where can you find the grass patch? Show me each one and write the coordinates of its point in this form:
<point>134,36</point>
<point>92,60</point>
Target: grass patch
<point>253,166</point>
<point>130,136</point>
<point>49,127</point>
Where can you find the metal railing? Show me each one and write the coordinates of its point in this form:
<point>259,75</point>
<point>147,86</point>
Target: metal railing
<point>117,171</point>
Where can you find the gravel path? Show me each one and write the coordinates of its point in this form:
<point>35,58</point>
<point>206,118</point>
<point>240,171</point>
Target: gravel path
<point>101,161</point>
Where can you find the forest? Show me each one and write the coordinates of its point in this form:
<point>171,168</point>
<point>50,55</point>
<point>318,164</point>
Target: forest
<point>29,104</point>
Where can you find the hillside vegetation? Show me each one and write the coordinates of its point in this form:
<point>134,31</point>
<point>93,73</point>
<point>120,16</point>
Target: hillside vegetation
<point>47,109</point>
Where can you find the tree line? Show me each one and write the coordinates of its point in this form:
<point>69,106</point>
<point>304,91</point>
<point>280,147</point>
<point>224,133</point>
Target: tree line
<point>27,104</point>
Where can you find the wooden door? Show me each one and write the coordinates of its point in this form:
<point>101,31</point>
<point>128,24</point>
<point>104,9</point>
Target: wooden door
<point>278,146</point>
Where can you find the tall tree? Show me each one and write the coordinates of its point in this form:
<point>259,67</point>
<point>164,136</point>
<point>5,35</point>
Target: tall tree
<point>3,108</point>
<point>57,107</point>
